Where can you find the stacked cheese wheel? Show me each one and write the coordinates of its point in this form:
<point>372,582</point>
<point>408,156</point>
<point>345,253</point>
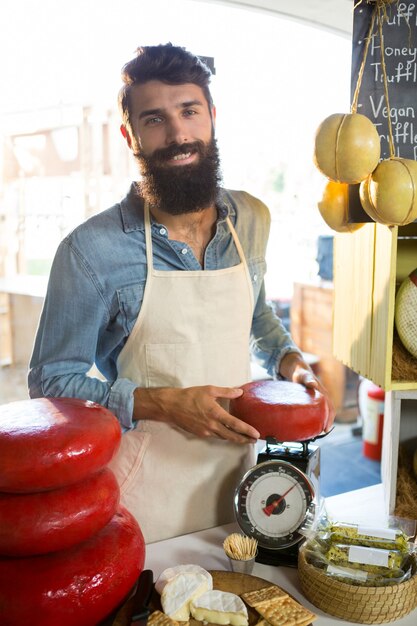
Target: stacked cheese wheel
<point>69,554</point>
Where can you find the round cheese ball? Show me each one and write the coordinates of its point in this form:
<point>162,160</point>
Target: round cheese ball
<point>283,410</point>
<point>347,147</point>
<point>37,523</point>
<point>48,443</point>
<point>389,194</point>
<point>406,313</point>
<point>334,207</point>
<point>76,587</point>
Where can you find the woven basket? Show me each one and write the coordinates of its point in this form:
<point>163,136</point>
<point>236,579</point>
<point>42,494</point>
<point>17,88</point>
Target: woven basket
<point>363,605</point>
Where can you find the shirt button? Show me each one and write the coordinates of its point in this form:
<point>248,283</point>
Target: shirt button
<point>162,231</point>
<point>255,277</point>
<point>184,251</point>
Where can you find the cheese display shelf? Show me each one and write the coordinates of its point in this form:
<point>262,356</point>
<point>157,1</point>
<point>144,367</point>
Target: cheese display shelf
<point>369,266</point>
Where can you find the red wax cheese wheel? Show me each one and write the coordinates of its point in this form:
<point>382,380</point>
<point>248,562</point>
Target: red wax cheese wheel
<point>280,409</point>
<point>76,587</point>
<point>52,442</point>
<point>37,523</point>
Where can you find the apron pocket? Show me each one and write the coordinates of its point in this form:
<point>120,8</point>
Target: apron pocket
<point>161,365</point>
<point>129,458</point>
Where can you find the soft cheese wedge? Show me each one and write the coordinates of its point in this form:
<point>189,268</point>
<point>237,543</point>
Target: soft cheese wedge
<point>180,591</point>
<point>170,573</point>
<point>219,607</point>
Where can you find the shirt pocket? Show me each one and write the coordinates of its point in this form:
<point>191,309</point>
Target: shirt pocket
<point>257,270</point>
<point>130,301</point>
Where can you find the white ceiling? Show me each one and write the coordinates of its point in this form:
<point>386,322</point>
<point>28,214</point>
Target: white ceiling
<point>336,15</point>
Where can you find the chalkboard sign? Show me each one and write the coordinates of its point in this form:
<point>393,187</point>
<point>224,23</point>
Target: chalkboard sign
<point>209,61</point>
<point>400,46</point>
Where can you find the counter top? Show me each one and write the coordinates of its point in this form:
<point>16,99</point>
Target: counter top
<point>205,549</point>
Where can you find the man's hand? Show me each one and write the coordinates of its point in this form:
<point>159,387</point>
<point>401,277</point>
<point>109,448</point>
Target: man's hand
<point>294,368</point>
<point>194,409</point>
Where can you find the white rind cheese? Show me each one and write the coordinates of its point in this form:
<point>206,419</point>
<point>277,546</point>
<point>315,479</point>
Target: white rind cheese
<point>219,607</point>
<point>170,573</point>
<point>180,591</point>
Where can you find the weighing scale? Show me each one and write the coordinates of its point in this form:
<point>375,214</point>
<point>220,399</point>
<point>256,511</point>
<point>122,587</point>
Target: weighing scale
<point>276,496</point>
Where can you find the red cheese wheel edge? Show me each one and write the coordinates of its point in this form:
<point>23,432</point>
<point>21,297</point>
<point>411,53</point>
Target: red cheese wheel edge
<point>284,410</point>
<point>76,587</point>
<point>47,443</point>
<point>47,521</point>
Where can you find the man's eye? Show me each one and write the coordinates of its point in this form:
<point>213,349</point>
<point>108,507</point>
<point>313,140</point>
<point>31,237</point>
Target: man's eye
<point>189,112</point>
<point>151,121</point>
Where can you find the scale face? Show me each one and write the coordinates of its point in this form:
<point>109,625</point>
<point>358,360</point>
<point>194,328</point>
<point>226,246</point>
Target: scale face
<point>271,503</point>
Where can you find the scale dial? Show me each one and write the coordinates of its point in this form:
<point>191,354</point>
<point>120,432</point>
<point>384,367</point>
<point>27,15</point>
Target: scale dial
<point>271,503</point>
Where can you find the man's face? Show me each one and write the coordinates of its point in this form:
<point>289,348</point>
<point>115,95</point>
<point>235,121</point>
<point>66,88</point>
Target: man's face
<point>164,115</point>
<point>173,143</point>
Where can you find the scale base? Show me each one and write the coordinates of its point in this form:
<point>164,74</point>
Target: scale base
<point>287,557</point>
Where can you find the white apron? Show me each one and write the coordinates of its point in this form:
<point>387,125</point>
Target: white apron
<point>193,329</point>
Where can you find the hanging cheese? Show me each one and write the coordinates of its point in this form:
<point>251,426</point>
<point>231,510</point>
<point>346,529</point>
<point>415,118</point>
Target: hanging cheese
<point>389,194</point>
<point>347,147</point>
<point>220,607</point>
<point>334,207</point>
<point>46,443</point>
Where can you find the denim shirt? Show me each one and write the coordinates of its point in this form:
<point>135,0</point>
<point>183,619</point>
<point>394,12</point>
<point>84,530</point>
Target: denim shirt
<point>96,287</point>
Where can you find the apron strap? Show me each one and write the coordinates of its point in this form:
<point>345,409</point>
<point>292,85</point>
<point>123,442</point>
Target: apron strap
<point>149,255</point>
<point>148,239</point>
<point>236,240</point>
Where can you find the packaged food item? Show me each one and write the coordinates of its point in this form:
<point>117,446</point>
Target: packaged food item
<point>360,554</point>
<point>355,534</point>
<point>375,560</point>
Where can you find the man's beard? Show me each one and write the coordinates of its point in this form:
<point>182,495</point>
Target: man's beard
<point>179,189</point>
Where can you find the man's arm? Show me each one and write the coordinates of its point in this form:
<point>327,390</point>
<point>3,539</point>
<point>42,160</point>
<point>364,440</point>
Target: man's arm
<point>196,410</point>
<point>277,352</point>
<point>74,314</point>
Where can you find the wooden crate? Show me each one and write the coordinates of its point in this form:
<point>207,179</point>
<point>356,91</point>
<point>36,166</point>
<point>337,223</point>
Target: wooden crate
<point>311,329</point>
<point>369,266</point>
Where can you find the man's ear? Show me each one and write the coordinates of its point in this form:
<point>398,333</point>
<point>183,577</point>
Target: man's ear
<point>213,115</point>
<point>126,135</point>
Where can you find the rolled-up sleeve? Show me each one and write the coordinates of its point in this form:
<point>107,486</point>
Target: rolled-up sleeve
<point>270,341</point>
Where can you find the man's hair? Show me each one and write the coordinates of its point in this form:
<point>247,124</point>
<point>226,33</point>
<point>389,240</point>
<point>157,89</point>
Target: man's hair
<point>167,63</point>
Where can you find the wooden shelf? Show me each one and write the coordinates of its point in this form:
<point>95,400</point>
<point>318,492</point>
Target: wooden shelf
<point>369,265</point>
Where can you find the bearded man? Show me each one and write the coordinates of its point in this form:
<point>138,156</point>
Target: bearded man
<point>164,293</point>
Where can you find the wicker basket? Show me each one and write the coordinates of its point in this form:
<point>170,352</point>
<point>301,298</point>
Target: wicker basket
<point>363,605</point>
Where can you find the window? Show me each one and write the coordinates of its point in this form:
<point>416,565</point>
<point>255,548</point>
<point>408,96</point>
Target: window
<point>64,159</point>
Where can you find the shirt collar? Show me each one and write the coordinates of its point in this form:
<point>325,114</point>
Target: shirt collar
<point>132,209</point>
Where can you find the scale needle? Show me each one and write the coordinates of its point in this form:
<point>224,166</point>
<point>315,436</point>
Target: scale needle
<point>268,510</point>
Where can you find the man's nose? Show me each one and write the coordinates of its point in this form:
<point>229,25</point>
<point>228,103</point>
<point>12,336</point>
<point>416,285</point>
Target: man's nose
<point>176,132</point>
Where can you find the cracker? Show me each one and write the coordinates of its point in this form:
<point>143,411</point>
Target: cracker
<point>158,618</point>
<point>285,612</point>
<point>266,594</point>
